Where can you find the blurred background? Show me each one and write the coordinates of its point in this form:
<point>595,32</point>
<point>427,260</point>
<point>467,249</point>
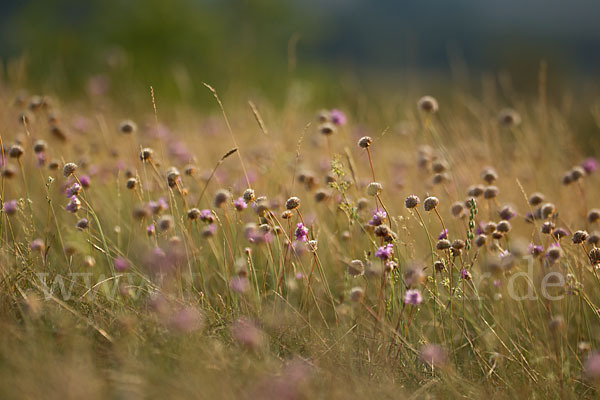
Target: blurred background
<point>74,47</point>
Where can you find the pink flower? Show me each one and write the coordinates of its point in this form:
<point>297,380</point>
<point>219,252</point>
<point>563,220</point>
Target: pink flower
<point>413,297</point>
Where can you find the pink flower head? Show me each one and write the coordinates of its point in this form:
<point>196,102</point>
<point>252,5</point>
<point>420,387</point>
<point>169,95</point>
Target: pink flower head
<point>385,252</point>
<point>338,117</point>
<point>73,205</point>
<point>590,165</point>
<point>378,218</point>
<point>240,204</point>
<point>413,297</point>
<point>121,265</point>
<point>10,207</point>
<point>301,232</point>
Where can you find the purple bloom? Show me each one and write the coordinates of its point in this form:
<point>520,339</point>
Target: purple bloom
<point>301,232</point>
<point>535,250</point>
<point>385,252</point>
<point>559,233</point>
<point>413,297</point>
<point>121,264</point>
<point>479,229</point>
<point>240,204</point>
<point>239,284</point>
<point>150,229</point>
<point>443,234</point>
<point>207,216</point>
<point>464,274</point>
<point>378,218</point>
<point>338,117</point>
<point>10,207</point>
<point>590,165</point>
<point>73,190</point>
<point>73,205</point>
<point>85,181</point>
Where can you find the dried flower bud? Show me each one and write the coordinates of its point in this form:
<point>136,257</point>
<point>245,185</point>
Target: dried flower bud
<point>193,213</point>
<point>428,104</point>
<point>127,127</point>
<point>146,154</point>
<point>172,176</point>
<point>430,203</point>
<point>443,244</point>
<point>475,190</point>
<point>327,129</point>
<point>357,294</point>
<point>480,240</point>
<point>548,210</point>
<point>489,175</point>
<point>412,201</point>
<point>16,151</point>
<point>292,203</point>
<point>458,244</point>
<point>374,188</point>
<point>536,199</point>
<point>69,169</point>
<point>248,195</point>
<point>365,142</point>
<point>580,237</point>
<point>503,226</point>
<point>458,210</point>
<point>490,192</point>
<point>509,117</point>
<point>221,198</point>
<point>131,183</point>
<point>593,215</point>
<point>356,268</point>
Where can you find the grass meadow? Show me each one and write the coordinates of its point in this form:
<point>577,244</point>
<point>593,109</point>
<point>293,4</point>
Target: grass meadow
<point>412,248</point>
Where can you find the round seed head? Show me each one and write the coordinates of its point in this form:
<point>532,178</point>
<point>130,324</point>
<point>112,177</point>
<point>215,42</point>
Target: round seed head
<point>489,175</point>
<point>357,295</point>
<point>428,104</point>
<point>412,201</point>
<point>430,203</point>
<point>321,195</point>
<point>146,154</point>
<point>440,178</point>
<point>356,268</point>
<point>547,227</point>
<point>577,173</point>
<point>374,188</point>
<point>249,195</point>
<point>16,151</point>
<point>68,169</point>
<point>193,213</point>
<point>490,192</point>
<point>566,179</point>
<point>475,190</point>
<point>497,235</point>
<point>509,117</point>
<point>593,215</point>
<point>365,142</point>
<point>503,226</point>
<point>536,199</point>
<point>327,129</point>
<point>439,166</point>
<point>382,231</point>
<point>165,223</point>
<point>8,171</point>
<point>548,210</point>
<point>222,197</point>
<point>190,170</point>
<point>595,255</point>
<point>172,176</point>
<point>507,212</point>
<point>443,244</point>
<point>131,183</point>
<point>480,240</point>
<point>580,237</point>
<point>82,224</point>
<point>39,146</point>
<point>362,204</point>
<point>490,227</point>
<point>287,214</point>
<point>127,127</point>
<point>458,210</point>
<point>439,266</point>
<point>458,244</point>
<point>593,239</point>
<point>292,203</point>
